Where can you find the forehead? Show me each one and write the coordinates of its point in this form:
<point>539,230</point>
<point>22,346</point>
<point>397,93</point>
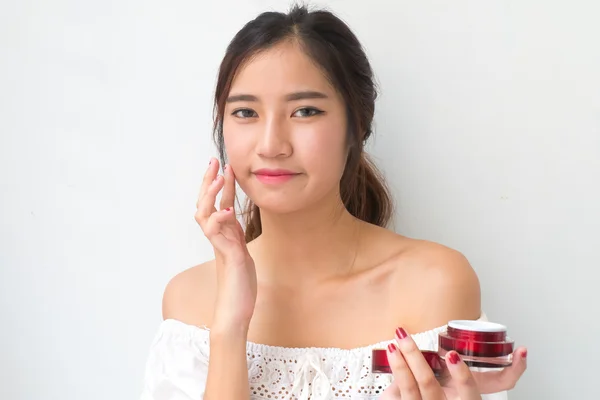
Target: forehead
<point>283,68</point>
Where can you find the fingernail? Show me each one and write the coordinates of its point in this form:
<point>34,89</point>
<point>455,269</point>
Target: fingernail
<point>210,161</point>
<point>453,358</point>
<point>524,354</point>
<point>228,208</point>
<point>401,333</point>
<point>392,347</point>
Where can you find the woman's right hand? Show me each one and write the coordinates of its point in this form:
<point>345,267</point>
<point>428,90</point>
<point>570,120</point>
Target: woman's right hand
<point>236,274</point>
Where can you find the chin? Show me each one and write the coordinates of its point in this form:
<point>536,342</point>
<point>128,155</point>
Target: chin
<point>279,204</point>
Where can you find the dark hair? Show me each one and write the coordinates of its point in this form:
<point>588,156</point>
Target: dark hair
<point>333,46</point>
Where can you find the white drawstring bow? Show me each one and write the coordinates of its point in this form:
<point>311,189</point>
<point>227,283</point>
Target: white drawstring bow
<point>320,382</point>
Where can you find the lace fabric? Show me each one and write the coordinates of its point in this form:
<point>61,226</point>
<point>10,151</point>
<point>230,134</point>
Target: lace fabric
<point>178,365</point>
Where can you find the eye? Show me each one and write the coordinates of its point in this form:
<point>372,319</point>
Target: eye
<point>244,113</point>
<point>307,112</point>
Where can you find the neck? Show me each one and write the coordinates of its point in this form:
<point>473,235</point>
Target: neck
<point>314,244</point>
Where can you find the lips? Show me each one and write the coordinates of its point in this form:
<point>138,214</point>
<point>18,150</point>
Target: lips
<point>274,172</point>
<point>274,176</point>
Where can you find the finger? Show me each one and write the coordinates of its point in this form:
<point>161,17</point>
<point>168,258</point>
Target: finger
<point>207,202</point>
<point>403,377</point>
<point>506,379</point>
<point>224,239</point>
<point>209,177</point>
<point>216,223</point>
<point>228,195</point>
<point>241,234</point>
<point>422,372</point>
<point>463,380</point>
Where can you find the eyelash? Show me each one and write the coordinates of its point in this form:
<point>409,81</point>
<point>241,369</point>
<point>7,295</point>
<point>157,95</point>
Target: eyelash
<point>313,112</point>
<point>236,112</point>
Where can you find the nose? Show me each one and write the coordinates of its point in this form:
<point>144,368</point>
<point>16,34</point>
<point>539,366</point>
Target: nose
<point>274,141</point>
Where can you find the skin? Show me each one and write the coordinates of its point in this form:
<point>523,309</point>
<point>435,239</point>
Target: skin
<point>313,259</point>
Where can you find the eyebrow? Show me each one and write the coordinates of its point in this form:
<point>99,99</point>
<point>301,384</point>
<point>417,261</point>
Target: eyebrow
<point>290,97</point>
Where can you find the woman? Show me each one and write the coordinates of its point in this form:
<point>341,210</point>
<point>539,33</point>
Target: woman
<point>294,305</point>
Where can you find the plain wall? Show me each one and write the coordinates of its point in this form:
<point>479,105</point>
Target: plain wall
<point>488,129</point>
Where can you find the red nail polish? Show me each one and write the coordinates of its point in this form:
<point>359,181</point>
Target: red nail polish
<point>401,333</point>
<point>453,358</point>
<point>524,354</point>
<point>228,208</point>
<point>392,347</point>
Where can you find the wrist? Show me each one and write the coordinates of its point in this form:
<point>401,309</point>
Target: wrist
<point>231,262</point>
<point>228,333</point>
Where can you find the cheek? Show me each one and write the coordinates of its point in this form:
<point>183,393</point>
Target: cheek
<point>238,146</point>
<point>324,151</point>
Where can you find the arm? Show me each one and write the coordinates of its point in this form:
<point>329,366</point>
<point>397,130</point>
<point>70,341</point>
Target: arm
<point>190,297</point>
<point>225,288</point>
<point>227,369</point>
<point>235,285</point>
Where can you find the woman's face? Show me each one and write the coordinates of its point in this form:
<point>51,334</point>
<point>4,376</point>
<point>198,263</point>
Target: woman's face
<point>284,128</point>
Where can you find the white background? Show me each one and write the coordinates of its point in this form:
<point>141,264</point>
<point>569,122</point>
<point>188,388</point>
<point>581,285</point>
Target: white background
<point>488,129</point>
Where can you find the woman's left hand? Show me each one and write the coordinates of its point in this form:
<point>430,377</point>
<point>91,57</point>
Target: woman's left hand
<point>415,380</point>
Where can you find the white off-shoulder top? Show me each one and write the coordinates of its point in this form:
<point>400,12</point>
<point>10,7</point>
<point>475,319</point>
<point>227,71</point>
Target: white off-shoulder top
<point>177,368</point>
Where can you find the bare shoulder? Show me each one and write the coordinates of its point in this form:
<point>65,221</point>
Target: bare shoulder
<point>440,262</point>
<point>189,296</point>
<point>442,284</point>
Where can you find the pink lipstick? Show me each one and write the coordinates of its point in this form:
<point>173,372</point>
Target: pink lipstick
<point>274,176</point>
